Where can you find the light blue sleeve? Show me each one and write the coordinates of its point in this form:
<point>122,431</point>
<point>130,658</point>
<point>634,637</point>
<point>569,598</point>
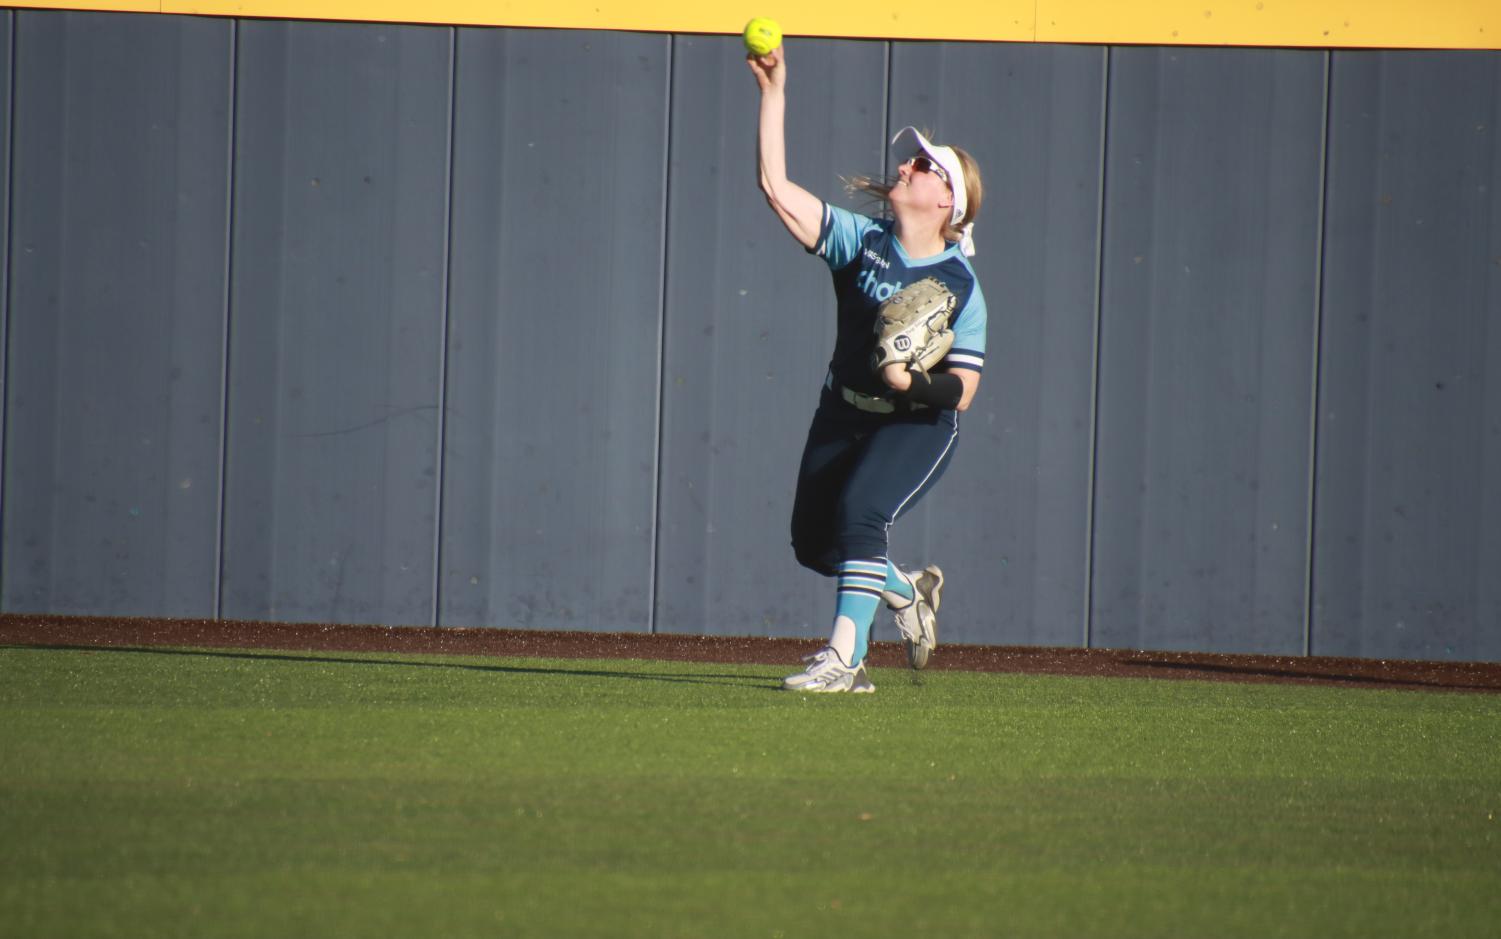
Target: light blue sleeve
<point>839,235</point>
<point>969,335</point>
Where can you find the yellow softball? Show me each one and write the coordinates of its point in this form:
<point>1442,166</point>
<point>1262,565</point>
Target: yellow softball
<point>762,35</point>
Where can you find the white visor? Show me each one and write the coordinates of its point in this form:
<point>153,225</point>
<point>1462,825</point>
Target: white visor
<point>946,158</point>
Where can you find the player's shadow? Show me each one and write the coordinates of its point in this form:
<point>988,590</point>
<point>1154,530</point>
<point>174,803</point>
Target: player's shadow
<point>741,681</point>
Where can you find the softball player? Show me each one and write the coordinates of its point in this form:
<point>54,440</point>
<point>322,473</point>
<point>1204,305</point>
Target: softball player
<point>878,441</point>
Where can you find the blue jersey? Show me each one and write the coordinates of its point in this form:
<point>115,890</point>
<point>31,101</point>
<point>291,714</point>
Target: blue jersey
<point>869,265</point>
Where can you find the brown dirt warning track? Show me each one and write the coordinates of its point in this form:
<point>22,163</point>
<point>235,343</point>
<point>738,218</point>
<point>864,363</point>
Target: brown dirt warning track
<point>17,629</point>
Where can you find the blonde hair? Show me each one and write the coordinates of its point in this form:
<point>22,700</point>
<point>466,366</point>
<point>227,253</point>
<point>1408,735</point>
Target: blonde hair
<point>878,189</point>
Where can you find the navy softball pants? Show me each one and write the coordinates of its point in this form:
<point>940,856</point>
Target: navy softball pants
<point>859,473</point>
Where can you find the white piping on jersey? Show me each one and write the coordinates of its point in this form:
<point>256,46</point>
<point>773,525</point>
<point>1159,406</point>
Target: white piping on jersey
<point>936,463</point>
<point>965,358</point>
<point>822,249</point>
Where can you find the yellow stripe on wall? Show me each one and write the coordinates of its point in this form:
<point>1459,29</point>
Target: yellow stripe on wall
<point>1425,24</point>
<point>1445,24</point>
<point>1002,19</point>
<point>121,6</point>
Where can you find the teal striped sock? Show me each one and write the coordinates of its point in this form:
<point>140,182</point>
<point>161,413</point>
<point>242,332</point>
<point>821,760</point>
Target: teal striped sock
<point>897,585</point>
<point>860,585</point>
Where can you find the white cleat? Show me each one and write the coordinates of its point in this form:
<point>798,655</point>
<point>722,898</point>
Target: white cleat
<point>918,620</point>
<point>827,673</point>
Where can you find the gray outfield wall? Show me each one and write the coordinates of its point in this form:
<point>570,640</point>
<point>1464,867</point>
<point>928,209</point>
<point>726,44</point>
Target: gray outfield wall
<point>413,325</point>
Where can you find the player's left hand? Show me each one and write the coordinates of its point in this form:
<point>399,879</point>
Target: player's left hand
<point>912,329</point>
<point>896,376</point>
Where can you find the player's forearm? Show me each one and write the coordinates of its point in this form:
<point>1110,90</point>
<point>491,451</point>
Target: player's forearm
<point>935,389</point>
<point>800,211</point>
<point>771,142</point>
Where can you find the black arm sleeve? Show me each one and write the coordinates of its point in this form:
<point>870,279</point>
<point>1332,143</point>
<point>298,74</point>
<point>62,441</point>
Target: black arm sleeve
<point>939,391</point>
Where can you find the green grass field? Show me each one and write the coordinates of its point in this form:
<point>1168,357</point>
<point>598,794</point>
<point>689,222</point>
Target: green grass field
<point>213,793</point>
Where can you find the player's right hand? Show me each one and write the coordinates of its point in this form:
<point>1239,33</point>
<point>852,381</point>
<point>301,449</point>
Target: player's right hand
<point>770,69</point>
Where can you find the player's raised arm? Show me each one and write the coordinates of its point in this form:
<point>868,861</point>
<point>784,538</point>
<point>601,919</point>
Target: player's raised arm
<point>799,209</point>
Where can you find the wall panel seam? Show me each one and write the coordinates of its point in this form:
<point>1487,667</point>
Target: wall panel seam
<point>885,106</point>
<point>5,280</point>
<point>1091,494</point>
<point>228,301</point>
<point>443,335</point>
<point>1317,367</point>
<point>661,390</point>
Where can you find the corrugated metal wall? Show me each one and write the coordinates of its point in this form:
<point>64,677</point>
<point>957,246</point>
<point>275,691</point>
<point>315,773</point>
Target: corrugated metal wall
<point>371,323</point>
<point>1207,331</point>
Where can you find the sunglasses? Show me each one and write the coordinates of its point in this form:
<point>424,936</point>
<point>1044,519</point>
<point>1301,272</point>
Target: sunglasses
<point>921,164</point>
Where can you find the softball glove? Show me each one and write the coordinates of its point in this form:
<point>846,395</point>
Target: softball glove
<point>913,327</point>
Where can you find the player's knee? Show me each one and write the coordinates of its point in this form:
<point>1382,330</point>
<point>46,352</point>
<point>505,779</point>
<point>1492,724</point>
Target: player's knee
<point>819,558</point>
<point>862,525</point>
<point>863,536</point>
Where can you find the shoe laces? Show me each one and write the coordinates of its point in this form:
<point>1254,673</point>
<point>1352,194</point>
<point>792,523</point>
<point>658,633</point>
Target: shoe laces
<point>825,662</point>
